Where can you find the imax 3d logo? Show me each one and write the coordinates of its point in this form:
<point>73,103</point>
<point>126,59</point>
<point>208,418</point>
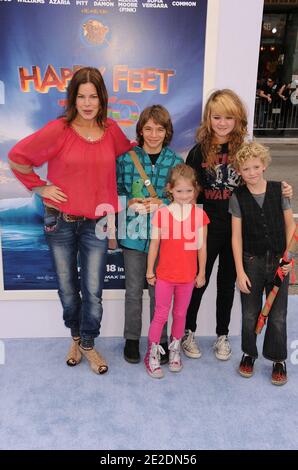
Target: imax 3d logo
<point>2,353</point>
<point>2,93</point>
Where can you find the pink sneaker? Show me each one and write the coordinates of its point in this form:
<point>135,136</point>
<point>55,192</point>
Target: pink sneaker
<point>152,360</point>
<point>175,364</point>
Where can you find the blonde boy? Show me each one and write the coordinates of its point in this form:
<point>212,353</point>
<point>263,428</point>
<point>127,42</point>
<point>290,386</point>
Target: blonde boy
<point>262,226</point>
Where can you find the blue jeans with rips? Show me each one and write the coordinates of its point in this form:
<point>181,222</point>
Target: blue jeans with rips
<point>261,270</point>
<point>73,244</point>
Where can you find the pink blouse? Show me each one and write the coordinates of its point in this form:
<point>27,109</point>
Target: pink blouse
<point>85,171</point>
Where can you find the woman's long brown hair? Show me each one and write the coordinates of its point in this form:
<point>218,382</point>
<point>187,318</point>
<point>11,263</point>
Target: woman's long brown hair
<point>82,76</point>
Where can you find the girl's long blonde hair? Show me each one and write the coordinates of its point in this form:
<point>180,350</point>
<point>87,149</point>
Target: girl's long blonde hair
<point>228,103</point>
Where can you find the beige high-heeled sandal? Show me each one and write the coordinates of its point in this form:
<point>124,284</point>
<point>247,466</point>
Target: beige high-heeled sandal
<point>74,355</point>
<point>96,361</point>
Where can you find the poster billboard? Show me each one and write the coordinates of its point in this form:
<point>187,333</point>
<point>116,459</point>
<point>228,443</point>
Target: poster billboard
<point>149,52</point>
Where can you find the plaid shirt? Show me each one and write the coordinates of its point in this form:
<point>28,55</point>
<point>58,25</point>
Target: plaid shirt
<point>127,174</point>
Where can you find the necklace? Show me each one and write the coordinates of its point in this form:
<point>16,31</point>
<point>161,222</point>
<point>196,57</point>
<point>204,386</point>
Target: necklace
<point>91,134</point>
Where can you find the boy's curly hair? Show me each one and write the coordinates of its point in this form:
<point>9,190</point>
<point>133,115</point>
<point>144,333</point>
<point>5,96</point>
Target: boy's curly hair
<point>250,150</point>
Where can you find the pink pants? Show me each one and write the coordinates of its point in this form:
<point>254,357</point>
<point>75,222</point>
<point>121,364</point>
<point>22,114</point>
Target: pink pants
<point>164,292</point>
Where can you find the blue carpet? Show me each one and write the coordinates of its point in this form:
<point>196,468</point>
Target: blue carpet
<point>46,405</point>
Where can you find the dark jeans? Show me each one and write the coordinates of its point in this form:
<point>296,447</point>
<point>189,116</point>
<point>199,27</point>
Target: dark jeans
<point>81,299</point>
<point>218,244</point>
<point>261,270</point>
<point>135,263</point>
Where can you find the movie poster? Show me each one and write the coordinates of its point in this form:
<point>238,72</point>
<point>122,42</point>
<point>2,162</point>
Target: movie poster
<point>149,52</point>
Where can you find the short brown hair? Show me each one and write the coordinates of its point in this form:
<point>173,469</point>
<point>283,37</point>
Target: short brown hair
<point>82,76</point>
<point>159,115</point>
<point>250,150</point>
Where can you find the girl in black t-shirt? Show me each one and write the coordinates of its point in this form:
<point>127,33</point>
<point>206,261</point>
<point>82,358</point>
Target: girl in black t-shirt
<point>220,135</point>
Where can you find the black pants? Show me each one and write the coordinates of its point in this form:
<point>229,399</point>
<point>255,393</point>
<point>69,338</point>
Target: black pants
<point>261,271</point>
<point>218,244</point>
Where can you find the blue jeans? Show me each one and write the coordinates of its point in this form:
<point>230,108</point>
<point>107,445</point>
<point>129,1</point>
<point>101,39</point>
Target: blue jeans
<point>261,270</point>
<point>80,295</point>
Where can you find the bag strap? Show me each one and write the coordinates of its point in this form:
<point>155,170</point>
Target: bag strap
<point>142,173</point>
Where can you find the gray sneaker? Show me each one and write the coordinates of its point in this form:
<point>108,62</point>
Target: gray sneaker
<point>175,364</point>
<point>222,348</point>
<point>190,346</point>
<point>152,360</point>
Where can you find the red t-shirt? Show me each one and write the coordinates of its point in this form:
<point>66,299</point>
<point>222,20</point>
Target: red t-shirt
<point>178,252</point>
<point>85,171</point>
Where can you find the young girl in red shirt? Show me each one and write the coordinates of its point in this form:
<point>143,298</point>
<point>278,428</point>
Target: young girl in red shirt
<point>179,233</point>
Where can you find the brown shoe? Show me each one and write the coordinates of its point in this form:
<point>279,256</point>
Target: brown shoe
<point>74,355</point>
<point>97,361</point>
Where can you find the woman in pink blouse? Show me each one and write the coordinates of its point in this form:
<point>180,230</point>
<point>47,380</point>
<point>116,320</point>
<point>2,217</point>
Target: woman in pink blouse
<point>81,150</point>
